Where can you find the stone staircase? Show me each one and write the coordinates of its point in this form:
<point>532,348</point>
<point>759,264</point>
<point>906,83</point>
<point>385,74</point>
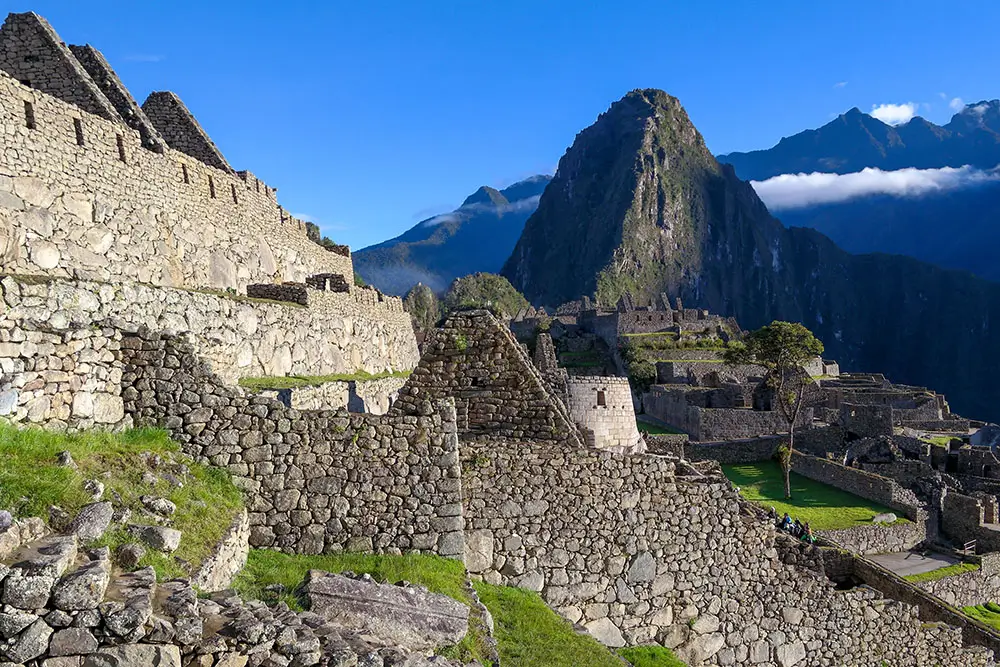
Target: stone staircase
<point>62,605</point>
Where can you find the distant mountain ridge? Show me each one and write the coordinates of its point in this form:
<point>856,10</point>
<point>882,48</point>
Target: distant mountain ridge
<point>476,237</point>
<point>855,140</point>
<point>640,206</point>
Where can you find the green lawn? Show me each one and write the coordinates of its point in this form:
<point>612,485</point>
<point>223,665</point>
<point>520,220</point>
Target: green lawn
<point>31,481</point>
<point>939,440</point>
<point>656,429</point>
<point>823,507</point>
<point>988,613</point>
<point>650,656</point>
<point>296,381</point>
<point>942,572</point>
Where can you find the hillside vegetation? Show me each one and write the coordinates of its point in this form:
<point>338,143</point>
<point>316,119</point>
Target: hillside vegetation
<point>130,464</point>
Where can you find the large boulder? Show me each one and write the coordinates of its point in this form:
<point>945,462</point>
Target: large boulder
<point>410,617</point>
<point>157,537</point>
<point>92,521</point>
<point>135,655</point>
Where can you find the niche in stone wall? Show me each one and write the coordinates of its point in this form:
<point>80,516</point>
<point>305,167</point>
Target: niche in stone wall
<point>29,115</point>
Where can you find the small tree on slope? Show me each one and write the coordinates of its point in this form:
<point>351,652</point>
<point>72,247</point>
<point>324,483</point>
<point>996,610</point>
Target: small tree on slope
<point>782,348</point>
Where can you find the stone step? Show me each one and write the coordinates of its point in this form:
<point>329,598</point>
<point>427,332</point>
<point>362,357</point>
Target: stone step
<point>128,604</point>
<point>36,569</point>
<point>84,587</point>
<point>175,613</point>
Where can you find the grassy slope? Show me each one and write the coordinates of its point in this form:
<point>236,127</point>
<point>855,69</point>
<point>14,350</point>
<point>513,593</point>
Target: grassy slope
<point>988,613</point>
<point>942,572</point>
<point>650,656</point>
<point>295,381</point>
<point>529,633</point>
<point>441,575</point>
<point>532,635</point>
<point>31,481</point>
<point>823,507</point>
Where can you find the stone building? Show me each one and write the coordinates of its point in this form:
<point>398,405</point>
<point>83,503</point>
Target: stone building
<point>125,216</point>
<point>602,408</point>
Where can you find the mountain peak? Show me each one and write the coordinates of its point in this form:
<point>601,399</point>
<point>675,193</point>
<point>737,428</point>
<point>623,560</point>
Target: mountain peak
<point>635,184</point>
<point>486,195</point>
<point>533,186</point>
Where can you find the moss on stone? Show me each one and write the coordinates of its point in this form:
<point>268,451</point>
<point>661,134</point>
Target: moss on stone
<point>296,381</point>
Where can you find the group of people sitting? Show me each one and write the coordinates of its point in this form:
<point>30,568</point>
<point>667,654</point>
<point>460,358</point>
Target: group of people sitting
<point>795,528</point>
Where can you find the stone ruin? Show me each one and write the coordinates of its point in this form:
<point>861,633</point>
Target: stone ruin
<point>144,277</point>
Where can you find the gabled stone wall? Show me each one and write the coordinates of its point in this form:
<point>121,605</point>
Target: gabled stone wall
<point>81,196</point>
<point>497,389</point>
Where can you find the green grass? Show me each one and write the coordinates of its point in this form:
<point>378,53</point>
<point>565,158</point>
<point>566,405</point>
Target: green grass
<point>296,381</point>
<point>942,572</point>
<point>939,440</point>
<point>988,613</point>
<point>31,481</point>
<point>530,634</point>
<point>439,575</point>
<point>650,656</point>
<point>823,507</point>
<point>667,334</point>
<point>233,296</point>
<point>656,429</point>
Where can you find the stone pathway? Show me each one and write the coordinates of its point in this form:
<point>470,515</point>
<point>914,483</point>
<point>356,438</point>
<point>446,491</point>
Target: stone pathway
<point>910,562</point>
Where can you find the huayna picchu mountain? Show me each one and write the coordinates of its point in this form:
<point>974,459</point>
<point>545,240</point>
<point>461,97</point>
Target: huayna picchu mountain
<point>855,140</point>
<point>639,205</point>
<point>478,236</point>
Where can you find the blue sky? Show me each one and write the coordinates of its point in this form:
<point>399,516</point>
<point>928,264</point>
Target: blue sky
<point>369,116</point>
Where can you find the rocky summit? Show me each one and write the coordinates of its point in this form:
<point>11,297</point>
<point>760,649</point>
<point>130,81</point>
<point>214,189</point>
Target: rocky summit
<point>639,206</point>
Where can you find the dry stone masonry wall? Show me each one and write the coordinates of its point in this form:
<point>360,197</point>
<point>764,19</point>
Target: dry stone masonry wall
<point>635,553</point>
<point>315,481</point>
<point>336,333</point>
<point>602,408</point>
<point>81,197</point>
<point>475,359</point>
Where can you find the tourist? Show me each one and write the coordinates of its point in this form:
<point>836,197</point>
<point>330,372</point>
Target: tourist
<point>807,535</point>
<point>786,523</point>
<point>797,529</point>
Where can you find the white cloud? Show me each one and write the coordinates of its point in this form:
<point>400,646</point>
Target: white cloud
<point>790,191</point>
<point>894,114</point>
<point>526,204</point>
<point>840,84</point>
<point>980,109</point>
<point>956,104</point>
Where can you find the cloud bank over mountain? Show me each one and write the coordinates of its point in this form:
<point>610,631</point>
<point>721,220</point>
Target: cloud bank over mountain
<point>793,191</point>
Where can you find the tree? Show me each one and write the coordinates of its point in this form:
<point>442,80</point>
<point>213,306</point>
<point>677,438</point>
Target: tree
<point>422,305</point>
<point>782,348</point>
<point>484,290</point>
